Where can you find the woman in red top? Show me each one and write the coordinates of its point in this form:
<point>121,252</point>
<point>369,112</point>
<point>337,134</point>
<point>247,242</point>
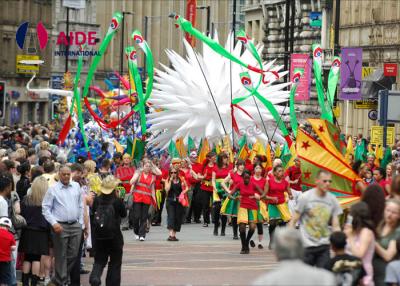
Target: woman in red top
<point>160,192</point>
<point>249,194</point>
<point>143,196</point>
<point>125,173</point>
<point>230,206</point>
<point>218,175</point>
<point>262,214</point>
<point>206,188</point>
<point>278,209</point>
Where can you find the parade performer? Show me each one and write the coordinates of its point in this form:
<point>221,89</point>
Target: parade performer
<point>293,174</point>
<point>175,186</point>
<point>160,192</point>
<point>278,210</point>
<point>143,196</point>
<point>262,214</point>
<point>206,188</point>
<point>125,173</point>
<point>195,207</point>
<point>218,175</point>
<point>230,206</point>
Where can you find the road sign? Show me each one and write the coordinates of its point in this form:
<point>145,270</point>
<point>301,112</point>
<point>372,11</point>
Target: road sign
<point>315,19</point>
<point>24,68</point>
<point>373,114</point>
<point>377,135</point>
<point>390,69</point>
<point>365,104</point>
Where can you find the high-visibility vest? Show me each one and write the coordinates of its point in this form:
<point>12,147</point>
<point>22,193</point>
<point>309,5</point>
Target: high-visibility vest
<point>143,190</point>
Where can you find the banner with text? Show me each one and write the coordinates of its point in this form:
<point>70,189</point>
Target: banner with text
<point>350,74</point>
<point>301,61</point>
<point>191,7</point>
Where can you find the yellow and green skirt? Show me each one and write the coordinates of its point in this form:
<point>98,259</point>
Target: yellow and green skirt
<point>280,211</point>
<point>230,207</point>
<point>159,197</point>
<point>247,216</point>
<point>218,194</point>
<point>262,212</point>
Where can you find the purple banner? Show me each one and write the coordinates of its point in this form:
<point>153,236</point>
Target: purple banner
<point>350,74</point>
<point>301,61</point>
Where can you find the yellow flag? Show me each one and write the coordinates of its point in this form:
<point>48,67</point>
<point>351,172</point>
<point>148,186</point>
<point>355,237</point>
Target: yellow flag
<point>378,155</point>
<point>278,151</point>
<point>349,150</point>
<point>370,150</point>
<point>227,147</point>
<point>180,146</point>
<point>118,147</point>
<point>258,149</point>
<point>205,149</point>
<point>269,157</point>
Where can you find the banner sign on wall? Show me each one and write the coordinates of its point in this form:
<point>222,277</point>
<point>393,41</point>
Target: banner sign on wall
<point>301,61</point>
<point>350,74</point>
<point>191,7</point>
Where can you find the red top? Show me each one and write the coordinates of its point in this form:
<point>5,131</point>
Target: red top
<point>294,173</point>
<point>125,174</point>
<point>245,192</point>
<point>6,241</point>
<point>249,166</point>
<point>198,169</point>
<point>259,182</point>
<point>236,179</point>
<point>158,183</point>
<point>383,183</point>
<point>185,174</point>
<point>222,173</point>
<point>206,184</point>
<point>277,189</point>
<point>143,189</point>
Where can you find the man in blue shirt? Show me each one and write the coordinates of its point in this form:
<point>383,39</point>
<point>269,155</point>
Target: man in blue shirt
<point>63,208</point>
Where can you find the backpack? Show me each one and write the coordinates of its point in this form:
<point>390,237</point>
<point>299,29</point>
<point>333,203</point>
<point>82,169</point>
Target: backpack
<point>105,223</point>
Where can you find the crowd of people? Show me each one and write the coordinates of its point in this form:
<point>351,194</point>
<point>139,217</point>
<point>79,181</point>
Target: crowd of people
<point>53,212</point>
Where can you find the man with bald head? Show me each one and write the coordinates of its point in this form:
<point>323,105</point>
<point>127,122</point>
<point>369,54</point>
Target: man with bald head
<point>63,208</point>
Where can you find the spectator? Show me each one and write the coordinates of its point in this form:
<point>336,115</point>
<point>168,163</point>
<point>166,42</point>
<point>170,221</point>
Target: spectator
<point>7,245</point>
<point>5,191</point>
<point>108,209</point>
<point>24,183</point>
<point>395,188</point>
<point>348,269</point>
<point>63,209</point>
<point>374,197</point>
<point>105,168</point>
<point>291,270</point>
<point>387,232</point>
<point>361,238</point>
<point>49,172</point>
<point>392,277</point>
<point>379,178</point>
<point>317,209</point>
<point>35,236</point>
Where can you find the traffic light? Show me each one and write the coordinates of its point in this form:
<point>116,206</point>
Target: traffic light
<point>2,99</point>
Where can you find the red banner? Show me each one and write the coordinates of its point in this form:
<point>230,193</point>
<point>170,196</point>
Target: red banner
<point>191,17</point>
<point>390,69</point>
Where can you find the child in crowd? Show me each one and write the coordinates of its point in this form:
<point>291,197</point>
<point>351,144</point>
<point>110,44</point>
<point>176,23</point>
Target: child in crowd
<point>7,245</point>
<point>392,276</point>
<point>369,179</point>
<point>348,269</point>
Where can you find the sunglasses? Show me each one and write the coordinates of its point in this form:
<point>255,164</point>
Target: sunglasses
<point>327,181</point>
<point>174,172</point>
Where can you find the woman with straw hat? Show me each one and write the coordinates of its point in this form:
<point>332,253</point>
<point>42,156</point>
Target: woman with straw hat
<point>108,209</point>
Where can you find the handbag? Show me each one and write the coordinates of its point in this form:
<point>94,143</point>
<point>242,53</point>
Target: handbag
<point>183,199</point>
<point>18,221</point>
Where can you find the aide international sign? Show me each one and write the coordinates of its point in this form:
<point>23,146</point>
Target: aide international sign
<point>351,74</point>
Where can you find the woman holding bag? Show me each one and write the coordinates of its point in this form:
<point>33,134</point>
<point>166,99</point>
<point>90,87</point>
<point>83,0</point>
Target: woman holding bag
<point>176,189</point>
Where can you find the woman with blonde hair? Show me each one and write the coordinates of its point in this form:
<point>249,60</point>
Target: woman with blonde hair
<point>35,236</point>
<point>94,181</point>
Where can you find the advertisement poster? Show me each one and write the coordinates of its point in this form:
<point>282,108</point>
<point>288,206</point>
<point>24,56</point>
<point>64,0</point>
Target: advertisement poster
<point>301,61</point>
<point>351,74</point>
<point>191,17</point>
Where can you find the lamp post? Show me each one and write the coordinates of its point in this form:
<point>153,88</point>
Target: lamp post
<point>207,8</point>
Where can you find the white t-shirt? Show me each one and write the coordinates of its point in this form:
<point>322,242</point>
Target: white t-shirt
<point>3,207</point>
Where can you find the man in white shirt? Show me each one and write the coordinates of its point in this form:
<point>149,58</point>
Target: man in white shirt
<point>5,192</point>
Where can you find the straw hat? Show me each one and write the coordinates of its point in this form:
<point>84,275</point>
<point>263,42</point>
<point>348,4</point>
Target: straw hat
<point>176,161</point>
<point>109,184</point>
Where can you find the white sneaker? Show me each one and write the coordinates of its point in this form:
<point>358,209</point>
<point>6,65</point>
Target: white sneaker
<point>142,238</point>
<point>136,237</point>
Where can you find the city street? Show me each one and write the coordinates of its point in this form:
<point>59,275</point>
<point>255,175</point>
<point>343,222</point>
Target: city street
<point>199,258</point>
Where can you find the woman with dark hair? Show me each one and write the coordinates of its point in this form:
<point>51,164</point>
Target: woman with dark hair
<point>388,232</point>
<point>359,185</point>
<point>206,187</point>
<point>262,213</point>
<point>278,209</point>
<point>24,183</point>
<point>230,206</point>
<point>218,176</point>
<point>175,186</point>
<point>374,197</point>
<point>395,188</point>
<point>361,238</point>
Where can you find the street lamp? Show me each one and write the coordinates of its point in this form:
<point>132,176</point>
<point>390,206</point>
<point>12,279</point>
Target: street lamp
<point>208,17</point>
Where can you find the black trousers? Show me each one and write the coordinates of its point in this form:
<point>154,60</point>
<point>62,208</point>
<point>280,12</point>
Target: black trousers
<point>75,275</point>
<point>158,213</point>
<point>140,215</point>
<point>218,216</point>
<point>108,249</point>
<point>205,198</point>
<point>195,205</point>
<point>317,256</point>
<point>175,213</point>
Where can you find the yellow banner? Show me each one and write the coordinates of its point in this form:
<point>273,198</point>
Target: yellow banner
<point>377,135</point>
<point>24,68</point>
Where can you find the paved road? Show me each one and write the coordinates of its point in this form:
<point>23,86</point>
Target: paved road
<point>199,258</point>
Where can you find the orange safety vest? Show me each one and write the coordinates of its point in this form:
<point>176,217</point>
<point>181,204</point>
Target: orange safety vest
<point>143,192</point>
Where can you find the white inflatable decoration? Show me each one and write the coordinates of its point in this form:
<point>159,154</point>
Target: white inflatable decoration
<point>188,109</point>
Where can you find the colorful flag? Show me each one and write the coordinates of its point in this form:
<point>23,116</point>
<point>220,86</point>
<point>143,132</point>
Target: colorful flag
<point>387,158</point>
<point>329,135</point>
<point>180,146</point>
<point>205,149</point>
<point>190,146</point>
<point>136,149</point>
<point>172,150</point>
<point>360,153</point>
<point>349,150</point>
<point>191,9</point>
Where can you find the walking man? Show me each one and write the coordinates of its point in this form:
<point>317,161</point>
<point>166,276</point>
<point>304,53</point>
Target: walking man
<point>63,209</point>
<point>315,210</point>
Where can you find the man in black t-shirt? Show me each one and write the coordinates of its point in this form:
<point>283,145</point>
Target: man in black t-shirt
<point>348,269</point>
